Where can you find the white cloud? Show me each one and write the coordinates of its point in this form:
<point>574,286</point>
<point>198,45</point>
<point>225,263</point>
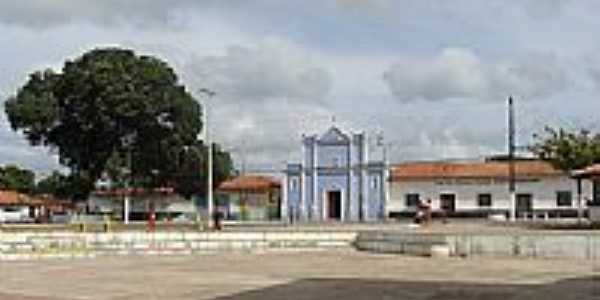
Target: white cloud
<point>460,73</point>
<point>268,94</point>
<point>591,65</point>
<point>268,133</point>
<point>543,9</point>
<point>43,13</point>
<point>270,70</point>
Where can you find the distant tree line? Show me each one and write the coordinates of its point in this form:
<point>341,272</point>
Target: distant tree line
<point>567,149</point>
<point>16,179</point>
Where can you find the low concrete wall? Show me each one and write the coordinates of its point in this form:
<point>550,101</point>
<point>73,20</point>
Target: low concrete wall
<point>522,243</point>
<point>31,245</point>
<point>530,244</point>
<point>594,212</point>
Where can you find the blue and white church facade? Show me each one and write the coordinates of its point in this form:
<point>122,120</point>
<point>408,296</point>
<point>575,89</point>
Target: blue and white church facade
<point>335,180</point>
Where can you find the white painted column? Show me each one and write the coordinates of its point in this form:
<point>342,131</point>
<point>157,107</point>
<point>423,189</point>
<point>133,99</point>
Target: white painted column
<point>303,213</point>
<point>342,205</point>
<point>126,209</point>
<point>315,175</point>
<point>365,177</point>
<point>349,181</point>
<point>284,198</point>
<point>385,181</point>
<point>324,205</point>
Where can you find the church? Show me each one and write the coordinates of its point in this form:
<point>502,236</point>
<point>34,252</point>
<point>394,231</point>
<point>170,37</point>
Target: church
<point>335,180</point>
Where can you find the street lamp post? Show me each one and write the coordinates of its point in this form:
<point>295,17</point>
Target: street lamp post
<point>128,141</point>
<point>126,200</point>
<point>209,193</point>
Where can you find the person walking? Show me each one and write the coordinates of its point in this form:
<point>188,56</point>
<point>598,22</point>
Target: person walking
<point>428,209</point>
<point>420,214</point>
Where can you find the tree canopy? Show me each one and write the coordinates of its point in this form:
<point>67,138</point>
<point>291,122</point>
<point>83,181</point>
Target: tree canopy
<point>16,179</point>
<point>103,106</point>
<point>567,150</point>
<point>57,185</point>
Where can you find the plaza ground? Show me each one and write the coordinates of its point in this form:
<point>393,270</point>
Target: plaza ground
<point>295,275</point>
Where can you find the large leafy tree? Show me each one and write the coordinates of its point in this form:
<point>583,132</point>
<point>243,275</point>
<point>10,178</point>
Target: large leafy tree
<point>16,179</point>
<point>103,106</point>
<point>57,185</point>
<point>567,150</point>
<point>189,181</point>
<point>186,171</point>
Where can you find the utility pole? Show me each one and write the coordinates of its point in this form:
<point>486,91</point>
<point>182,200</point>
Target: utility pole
<point>579,201</point>
<point>243,152</point>
<point>127,189</point>
<point>129,141</point>
<point>209,194</point>
<point>384,176</point>
<point>511,159</point>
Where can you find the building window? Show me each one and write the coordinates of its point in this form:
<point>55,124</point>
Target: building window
<point>412,200</point>
<point>375,182</point>
<point>596,191</point>
<point>484,200</point>
<point>564,198</point>
<point>294,184</point>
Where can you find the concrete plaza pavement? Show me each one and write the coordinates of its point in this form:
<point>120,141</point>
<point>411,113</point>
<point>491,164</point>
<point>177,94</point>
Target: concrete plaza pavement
<point>297,275</point>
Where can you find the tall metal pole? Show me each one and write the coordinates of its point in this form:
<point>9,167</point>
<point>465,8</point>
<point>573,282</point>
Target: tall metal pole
<point>209,194</point>
<point>579,201</point>
<point>127,190</point>
<point>511,159</point>
<point>210,181</point>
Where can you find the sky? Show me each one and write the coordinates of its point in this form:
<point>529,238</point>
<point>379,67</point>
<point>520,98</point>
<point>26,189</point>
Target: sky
<point>431,76</point>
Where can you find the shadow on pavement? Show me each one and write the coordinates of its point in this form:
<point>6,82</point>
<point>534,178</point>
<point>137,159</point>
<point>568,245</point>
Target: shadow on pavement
<point>348,289</point>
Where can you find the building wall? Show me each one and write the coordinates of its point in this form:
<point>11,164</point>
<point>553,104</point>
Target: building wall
<point>332,156</point>
<point>291,196</point>
<point>543,191</point>
<point>375,195</point>
<point>249,206</point>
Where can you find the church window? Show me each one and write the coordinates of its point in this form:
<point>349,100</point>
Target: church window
<point>375,182</point>
<point>294,184</point>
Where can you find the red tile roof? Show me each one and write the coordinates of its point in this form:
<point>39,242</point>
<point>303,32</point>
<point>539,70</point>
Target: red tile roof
<point>591,171</point>
<point>494,169</point>
<point>121,192</point>
<point>249,183</point>
<point>9,197</point>
<point>16,198</point>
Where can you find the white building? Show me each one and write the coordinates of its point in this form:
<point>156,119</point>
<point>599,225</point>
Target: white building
<point>16,207</point>
<point>481,188</point>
